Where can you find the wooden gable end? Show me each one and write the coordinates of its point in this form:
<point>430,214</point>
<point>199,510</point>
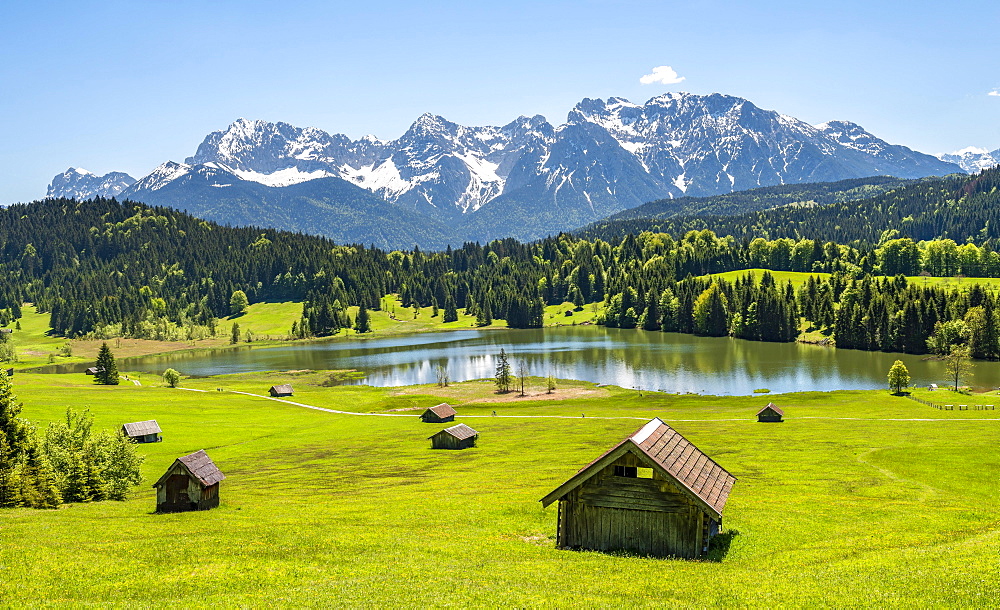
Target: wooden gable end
<point>611,488</point>
<point>595,484</point>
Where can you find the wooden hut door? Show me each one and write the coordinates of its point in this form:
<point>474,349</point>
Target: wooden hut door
<point>177,486</point>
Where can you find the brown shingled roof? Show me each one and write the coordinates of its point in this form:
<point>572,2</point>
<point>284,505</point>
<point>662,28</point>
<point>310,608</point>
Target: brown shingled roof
<point>675,456</point>
<point>771,406</point>
<point>443,410</point>
<point>200,466</point>
<point>461,432</point>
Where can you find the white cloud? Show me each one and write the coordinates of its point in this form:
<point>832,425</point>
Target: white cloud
<point>666,75</point>
<point>994,93</point>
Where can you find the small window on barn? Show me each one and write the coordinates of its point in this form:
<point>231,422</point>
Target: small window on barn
<point>625,471</point>
<point>644,473</point>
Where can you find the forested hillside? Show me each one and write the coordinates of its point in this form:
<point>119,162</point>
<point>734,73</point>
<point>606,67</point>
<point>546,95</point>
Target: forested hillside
<point>125,269</point>
<point>955,207</point>
<point>728,204</point>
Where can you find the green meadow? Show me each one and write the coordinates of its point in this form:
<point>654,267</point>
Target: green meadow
<point>858,499</point>
<point>799,278</point>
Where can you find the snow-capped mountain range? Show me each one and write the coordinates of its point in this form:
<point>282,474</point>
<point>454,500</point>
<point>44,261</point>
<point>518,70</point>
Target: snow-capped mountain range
<point>528,177</point>
<point>78,183</point>
<point>973,159</point>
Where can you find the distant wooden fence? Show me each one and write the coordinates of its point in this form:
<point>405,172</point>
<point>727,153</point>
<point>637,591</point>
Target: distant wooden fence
<point>952,407</point>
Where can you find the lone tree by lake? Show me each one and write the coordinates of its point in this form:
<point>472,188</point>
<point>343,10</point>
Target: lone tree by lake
<point>958,364</point>
<point>899,377</point>
<point>107,370</point>
<point>522,374</point>
<point>503,374</point>
<point>172,377</point>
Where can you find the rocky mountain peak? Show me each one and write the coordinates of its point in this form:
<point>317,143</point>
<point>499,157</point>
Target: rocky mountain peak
<point>78,183</point>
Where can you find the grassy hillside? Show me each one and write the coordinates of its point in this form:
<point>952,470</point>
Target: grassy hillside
<point>798,278</point>
<point>327,509</point>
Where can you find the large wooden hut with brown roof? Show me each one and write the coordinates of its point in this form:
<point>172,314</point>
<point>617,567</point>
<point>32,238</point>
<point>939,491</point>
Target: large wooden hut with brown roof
<point>456,437</point>
<point>440,414</point>
<point>770,413</point>
<point>191,483</point>
<point>654,494</point>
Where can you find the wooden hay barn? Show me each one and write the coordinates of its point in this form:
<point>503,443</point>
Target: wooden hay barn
<point>191,483</point>
<point>143,431</point>
<point>440,414</point>
<point>456,437</point>
<point>94,370</point>
<point>653,494</point>
<point>284,389</point>
<point>770,413</point>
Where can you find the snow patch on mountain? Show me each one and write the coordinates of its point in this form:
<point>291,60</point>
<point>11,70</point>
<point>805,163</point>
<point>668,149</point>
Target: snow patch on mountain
<point>163,175</point>
<point>283,177</point>
<point>383,179</point>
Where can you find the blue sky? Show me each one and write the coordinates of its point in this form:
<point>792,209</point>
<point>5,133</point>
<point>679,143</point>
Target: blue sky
<point>127,85</point>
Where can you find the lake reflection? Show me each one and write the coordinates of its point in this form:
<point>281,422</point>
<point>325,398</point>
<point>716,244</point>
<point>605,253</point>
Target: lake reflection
<point>628,358</point>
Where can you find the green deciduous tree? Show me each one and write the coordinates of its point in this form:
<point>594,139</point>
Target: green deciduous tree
<point>710,313</point>
<point>899,377</point>
<point>958,364</point>
<point>238,303</point>
<point>172,377</point>
<point>90,466</point>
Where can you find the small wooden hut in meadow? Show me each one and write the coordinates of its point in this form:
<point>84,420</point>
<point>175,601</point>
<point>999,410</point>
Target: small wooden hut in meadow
<point>284,389</point>
<point>191,483</point>
<point>770,413</point>
<point>456,437</point>
<point>143,431</point>
<point>94,370</point>
<point>440,414</point>
<point>653,494</point>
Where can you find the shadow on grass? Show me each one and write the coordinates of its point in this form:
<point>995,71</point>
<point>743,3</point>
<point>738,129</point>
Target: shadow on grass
<point>718,548</point>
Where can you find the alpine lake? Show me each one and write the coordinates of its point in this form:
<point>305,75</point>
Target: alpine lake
<point>642,360</point>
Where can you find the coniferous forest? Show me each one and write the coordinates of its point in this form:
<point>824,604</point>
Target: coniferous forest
<point>106,268</point>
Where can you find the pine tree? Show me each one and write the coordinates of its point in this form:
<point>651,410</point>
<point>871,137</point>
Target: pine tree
<point>450,311</point>
<point>484,316</point>
<point>38,480</point>
<point>651,317</point>
<point>15,436</point>
<point>234,336</point>
<point>362,324</point>
<point>503,374</point>
<point>107,370</point>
